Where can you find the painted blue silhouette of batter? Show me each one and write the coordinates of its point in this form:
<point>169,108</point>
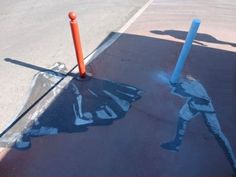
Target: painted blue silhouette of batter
<point>198,102</point>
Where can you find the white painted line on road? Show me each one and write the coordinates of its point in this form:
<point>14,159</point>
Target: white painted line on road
<point>104,46</point>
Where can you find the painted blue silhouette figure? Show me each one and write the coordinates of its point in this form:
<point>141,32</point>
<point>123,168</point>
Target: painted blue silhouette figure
<point>198,102</point>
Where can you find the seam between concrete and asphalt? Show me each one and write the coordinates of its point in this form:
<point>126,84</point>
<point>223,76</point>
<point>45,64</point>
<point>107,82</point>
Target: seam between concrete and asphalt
<point>88,59</point>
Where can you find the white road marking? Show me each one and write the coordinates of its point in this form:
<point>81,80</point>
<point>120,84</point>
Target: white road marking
<point>104,46</point>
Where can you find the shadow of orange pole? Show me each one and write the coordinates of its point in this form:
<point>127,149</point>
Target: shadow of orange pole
<point>77,44</point>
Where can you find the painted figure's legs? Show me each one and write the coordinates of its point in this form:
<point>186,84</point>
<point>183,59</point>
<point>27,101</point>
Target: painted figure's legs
<point>214,126</point>
<point>185,115</point>
<point>175,144</point>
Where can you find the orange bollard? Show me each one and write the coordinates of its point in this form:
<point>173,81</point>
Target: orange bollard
<point>77,44</point>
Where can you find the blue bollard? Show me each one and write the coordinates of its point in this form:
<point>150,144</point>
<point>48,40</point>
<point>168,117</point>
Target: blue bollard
<point>185,50</point>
